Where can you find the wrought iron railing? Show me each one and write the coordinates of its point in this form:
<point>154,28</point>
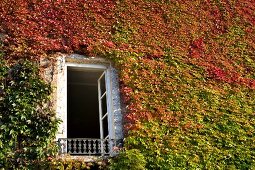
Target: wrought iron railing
<point>87,146</point>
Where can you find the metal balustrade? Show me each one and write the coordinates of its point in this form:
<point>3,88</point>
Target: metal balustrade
<point>87,146</point>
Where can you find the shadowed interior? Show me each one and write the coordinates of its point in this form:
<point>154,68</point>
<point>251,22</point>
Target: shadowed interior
<point>82,103</point>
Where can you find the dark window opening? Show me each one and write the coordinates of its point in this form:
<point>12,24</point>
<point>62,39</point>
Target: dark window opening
<point>82,103</point>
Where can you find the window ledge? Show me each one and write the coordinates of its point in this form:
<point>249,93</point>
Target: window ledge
<point>83,158</point>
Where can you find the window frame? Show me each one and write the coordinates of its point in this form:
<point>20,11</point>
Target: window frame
<point>115,121</point>
<point>99,67</point>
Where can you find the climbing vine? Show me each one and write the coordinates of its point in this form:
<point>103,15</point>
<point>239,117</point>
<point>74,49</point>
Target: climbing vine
<point>27,122</point>
<point>187,70</point>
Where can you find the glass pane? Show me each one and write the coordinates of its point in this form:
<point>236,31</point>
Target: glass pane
<point>104,105</point>
<point>105,126</point>
<point>102,85</point>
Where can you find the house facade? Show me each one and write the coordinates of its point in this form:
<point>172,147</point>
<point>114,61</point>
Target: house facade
<point>186,72</point>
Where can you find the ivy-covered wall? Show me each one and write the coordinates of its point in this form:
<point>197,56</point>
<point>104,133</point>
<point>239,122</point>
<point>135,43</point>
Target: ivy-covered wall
<point>187,69</point>
<point>27,121</point>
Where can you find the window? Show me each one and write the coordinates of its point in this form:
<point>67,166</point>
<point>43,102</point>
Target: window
<point>88,103</point>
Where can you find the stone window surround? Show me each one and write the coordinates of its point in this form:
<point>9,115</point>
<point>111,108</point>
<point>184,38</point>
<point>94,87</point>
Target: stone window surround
<point>76,60</point>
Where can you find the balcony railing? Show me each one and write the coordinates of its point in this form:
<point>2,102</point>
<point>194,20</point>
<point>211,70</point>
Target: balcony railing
<point>87,146</point>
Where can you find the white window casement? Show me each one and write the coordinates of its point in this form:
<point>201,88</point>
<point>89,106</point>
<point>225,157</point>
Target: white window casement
<point>88,103</point>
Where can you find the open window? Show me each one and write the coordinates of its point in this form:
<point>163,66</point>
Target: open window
<point>92,113</point>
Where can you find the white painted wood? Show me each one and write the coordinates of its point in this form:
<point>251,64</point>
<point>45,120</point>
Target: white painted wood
<point>88,66</point>
<point>101,117</point>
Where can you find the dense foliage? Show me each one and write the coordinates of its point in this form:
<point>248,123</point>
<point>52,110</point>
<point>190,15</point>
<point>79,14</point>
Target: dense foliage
<point>27,122</point>
<point>187,69</point>
<point>126,160</point>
